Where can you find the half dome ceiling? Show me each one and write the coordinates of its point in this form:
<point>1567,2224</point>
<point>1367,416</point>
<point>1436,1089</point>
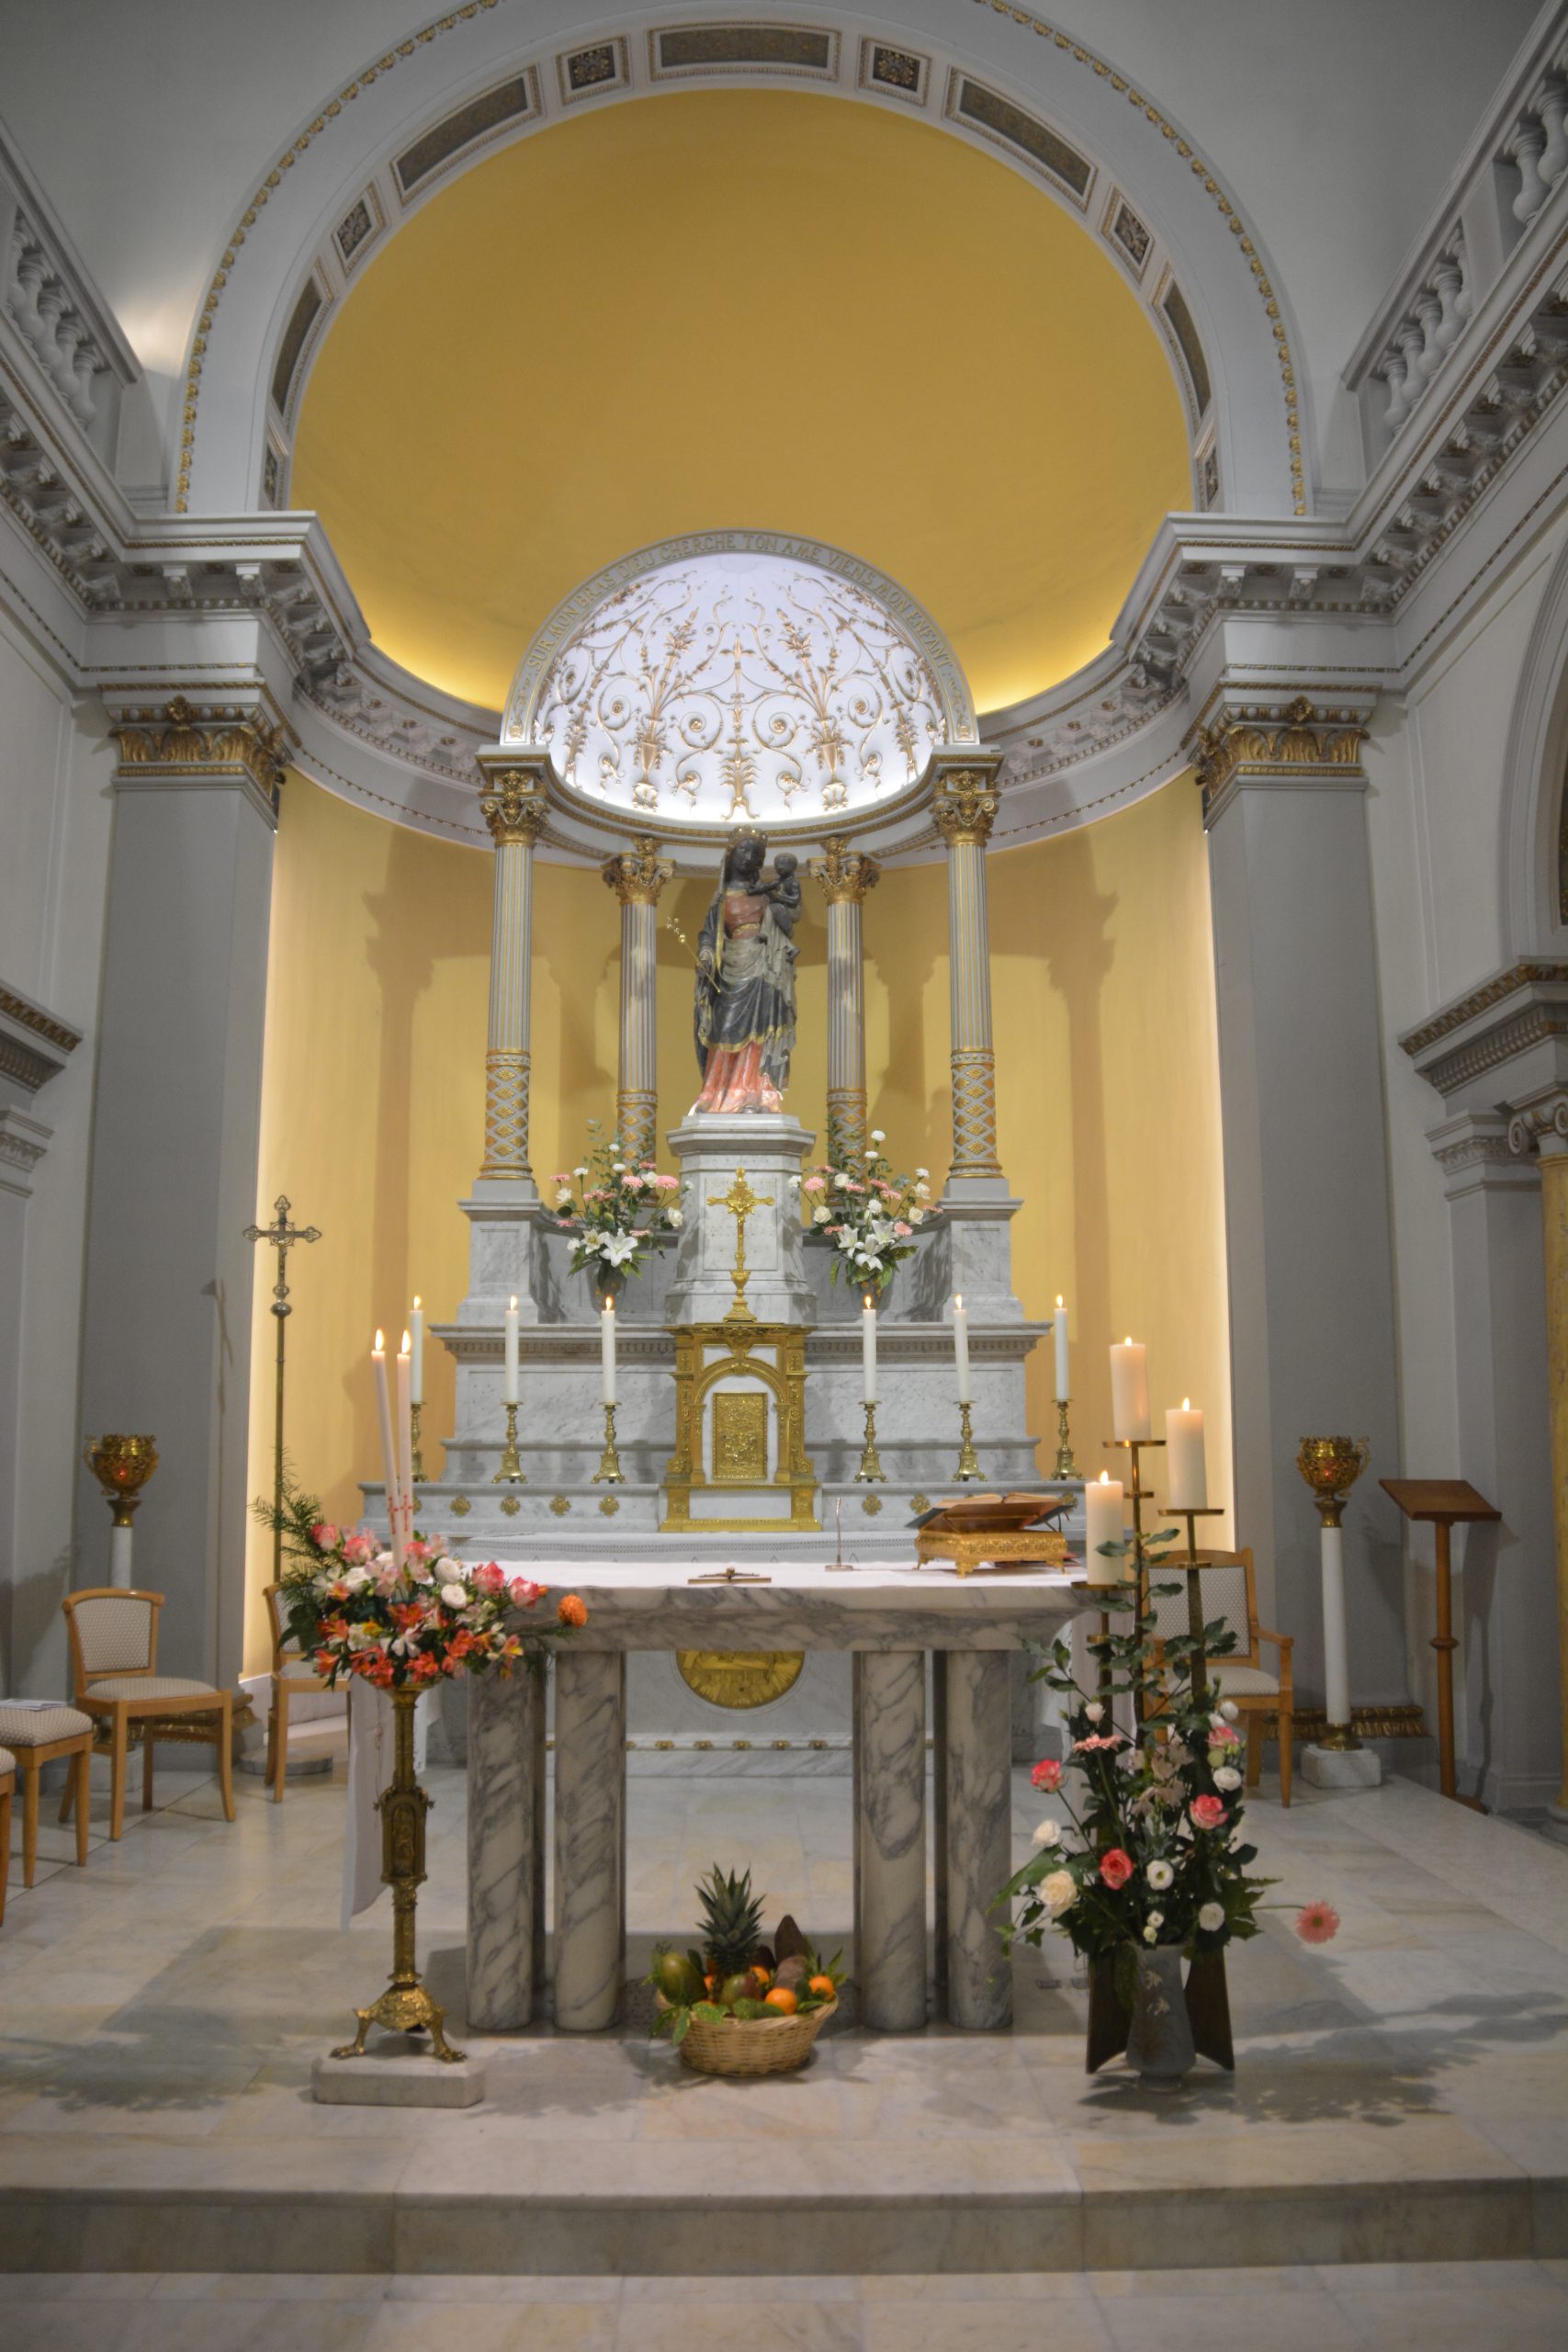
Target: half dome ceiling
<point>736,306</point>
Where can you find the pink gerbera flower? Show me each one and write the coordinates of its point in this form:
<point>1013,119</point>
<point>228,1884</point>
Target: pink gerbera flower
<point>1317,1922</point>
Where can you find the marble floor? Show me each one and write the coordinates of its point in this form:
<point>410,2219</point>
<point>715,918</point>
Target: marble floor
<point>1392,2151</point>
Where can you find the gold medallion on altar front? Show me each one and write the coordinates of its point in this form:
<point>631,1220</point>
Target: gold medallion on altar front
<point>740,1678</point>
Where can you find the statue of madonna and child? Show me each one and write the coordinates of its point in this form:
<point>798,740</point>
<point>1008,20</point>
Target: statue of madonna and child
<point>743,1011</point>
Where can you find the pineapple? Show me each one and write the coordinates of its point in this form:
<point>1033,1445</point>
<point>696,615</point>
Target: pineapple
<point>732,1922</point>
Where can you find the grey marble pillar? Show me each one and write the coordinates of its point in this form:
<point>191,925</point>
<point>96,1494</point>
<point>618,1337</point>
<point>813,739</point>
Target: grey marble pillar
<point>976,1833</point>
<point>890,1838</point>
<point>506,1852</point>
<point>1306,1172</point>
<point>590,1837</point>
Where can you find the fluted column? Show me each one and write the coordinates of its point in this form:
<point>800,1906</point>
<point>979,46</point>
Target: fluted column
<point>965,809</point>
<point>1544,1125</point>
<point>513,807</point>
<point>637,876</point>
<point>846,875</point>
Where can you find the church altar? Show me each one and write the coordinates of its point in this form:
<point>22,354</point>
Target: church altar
<point>890,1621</point>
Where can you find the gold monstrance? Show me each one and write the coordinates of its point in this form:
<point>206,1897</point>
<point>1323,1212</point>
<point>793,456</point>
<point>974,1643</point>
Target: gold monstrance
<point>740,1200</point>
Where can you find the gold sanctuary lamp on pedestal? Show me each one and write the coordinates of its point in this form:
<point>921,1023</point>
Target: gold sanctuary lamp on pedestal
<point>122,1466</point>
<point>1331,1467</point>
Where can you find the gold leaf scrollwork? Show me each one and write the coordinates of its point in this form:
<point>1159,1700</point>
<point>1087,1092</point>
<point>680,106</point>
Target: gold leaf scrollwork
<point>637,875</point>
<point>514,808</point>
<point>964,808</point>
<point>847,876</point>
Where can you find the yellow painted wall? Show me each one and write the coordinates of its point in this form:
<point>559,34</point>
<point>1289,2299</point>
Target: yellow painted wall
<point>373,1089</point>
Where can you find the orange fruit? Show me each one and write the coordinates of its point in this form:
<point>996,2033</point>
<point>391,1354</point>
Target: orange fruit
<point>823,1984</point>
<point>781,1999</point>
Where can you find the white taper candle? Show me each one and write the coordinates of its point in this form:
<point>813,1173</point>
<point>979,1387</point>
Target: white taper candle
<point>509,1393</point>
<point>961,1349</point>
<point>416,1354</point>
<point>1059,1333</point>
<point>607,1351</point>
<point>868,1346</point>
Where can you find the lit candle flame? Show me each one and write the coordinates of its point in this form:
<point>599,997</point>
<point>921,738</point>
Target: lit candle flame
<point>404,1348</point>
<point>380,1347</point>
<point>1186,1404</point>
<point>1105,1478</point>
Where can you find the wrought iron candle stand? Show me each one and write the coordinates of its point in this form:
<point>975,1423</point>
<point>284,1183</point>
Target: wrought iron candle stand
<point>511,1471</point>
<point>871,1471</point>
<point>406,2005</point>
<point>609,1471</point>
<point>968,1460</point>
<point>1200,1667</point>
<point>1138,1495</point>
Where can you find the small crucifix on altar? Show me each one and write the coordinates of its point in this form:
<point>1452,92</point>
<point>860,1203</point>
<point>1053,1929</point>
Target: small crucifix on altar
<point>740,1200</point>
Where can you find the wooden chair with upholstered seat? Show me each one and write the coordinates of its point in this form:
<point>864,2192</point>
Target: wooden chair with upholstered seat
<point>1229,1587</point>
<point>34,1736</point>
<point>291,1672</point>
<point>114,1662</point>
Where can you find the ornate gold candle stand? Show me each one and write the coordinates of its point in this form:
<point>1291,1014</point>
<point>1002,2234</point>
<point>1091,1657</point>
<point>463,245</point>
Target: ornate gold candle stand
<point>609,1471</point>
<point>1066,1466</point>
<point>968,1460</point>
<point>406,2005</point>
<point>870,1471</point>
<point>511,1471</point>
<point>122,1466</point>
<point>416,1459</point>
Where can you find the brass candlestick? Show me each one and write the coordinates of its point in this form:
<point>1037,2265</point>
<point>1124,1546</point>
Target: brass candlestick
<point>1066,1465</point>
<point>416,1459</point>
<point>1200,1668</point>
<point>609,1471</point>
<point>968,1460</point>
<point>406,2005</point>
<point>870,1469</point>
<point>511,1471</point>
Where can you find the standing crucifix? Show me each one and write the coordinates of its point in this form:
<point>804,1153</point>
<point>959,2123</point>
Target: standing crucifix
<point>280,1236</point>
<point>740,1200</point>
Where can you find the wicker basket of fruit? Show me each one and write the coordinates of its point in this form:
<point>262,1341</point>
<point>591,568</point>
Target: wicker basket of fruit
<point>740,2006</point>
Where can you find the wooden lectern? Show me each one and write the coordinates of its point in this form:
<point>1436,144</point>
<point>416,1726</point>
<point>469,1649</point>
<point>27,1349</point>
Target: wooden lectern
<point>1444,1501</point>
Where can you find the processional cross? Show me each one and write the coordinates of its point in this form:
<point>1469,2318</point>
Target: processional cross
<point>740,1200</point>
<point>280,1236</point>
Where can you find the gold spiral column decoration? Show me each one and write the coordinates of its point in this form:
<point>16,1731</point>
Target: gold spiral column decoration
<point>637,876</point>
<point>513,807</point>
<point>964,808</point>
<point>846,875</point>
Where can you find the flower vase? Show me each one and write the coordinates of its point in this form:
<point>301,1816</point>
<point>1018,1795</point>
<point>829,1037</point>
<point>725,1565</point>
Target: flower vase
<point>608,1282</point>
<point>1160,2043</point>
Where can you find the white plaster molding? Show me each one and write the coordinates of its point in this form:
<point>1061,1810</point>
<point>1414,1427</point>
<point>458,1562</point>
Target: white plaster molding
<point>34,1042</point>
<point>1540,1125</point>
<point>1474,1154</point>
<point>23,1142</point>
<point>1499,1043</point>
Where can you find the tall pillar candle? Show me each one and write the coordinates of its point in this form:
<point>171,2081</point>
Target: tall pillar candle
<point>403,1437</point>
<point>1059,1335</point>
<point>513,807</point>
<point>638,876</point>
<point>846,875</point>
<point>1130,1390</point>
<point>1186,1467</point>
<point>1103,1524</point>
<point>868,1348</point>
<point>964,807</point>
<point>416,1354</point>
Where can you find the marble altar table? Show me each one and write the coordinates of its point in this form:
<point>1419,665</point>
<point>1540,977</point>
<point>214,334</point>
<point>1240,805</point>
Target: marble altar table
<point>890,1618</point>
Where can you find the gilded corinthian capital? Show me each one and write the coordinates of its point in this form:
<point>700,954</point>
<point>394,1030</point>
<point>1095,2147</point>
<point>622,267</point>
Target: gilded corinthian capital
<point>964,807</point>
<point>846,874</point>
<point>514,808</point>
<point>637,875</point>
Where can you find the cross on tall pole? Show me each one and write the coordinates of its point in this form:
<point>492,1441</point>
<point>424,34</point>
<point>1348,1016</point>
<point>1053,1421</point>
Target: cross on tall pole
<point>280,1236</point>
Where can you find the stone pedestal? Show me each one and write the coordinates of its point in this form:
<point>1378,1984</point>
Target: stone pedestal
<point>771,1148</point>
<point>1341,1768</point>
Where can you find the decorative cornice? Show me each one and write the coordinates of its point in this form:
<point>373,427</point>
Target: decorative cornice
<point>188,742</point>
<point>1503,1019</point>
<point>1471,1148</point>
<point>16,1008</point>
<point>1261,742</point>
<point>847,876</point>
<point>637,875</point>
<point>515,806</point>
<point>23,1143</point>
<point>963,806</point>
